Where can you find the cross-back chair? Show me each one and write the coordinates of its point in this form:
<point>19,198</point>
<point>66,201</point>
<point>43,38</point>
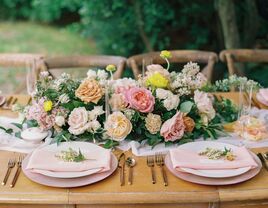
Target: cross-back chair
<point>178,56</point>
<point>233,56</point>
<point>63,62</point>
<point>18,60</point>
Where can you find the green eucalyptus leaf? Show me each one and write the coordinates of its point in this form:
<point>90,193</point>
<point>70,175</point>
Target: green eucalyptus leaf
<point>186,106</point>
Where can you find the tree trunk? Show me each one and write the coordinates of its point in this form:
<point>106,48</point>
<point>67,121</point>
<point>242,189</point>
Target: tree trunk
<point>226,11</point>
<point>250,23</point>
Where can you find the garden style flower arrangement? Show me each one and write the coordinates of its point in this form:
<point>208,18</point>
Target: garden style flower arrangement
<point>161,106</point>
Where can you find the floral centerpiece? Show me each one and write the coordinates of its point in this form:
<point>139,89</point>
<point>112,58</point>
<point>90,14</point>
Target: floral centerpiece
<point>161,106</point>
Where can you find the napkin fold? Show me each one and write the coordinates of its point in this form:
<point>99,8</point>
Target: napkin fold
<point>182,158</point>
<point>44,159</point>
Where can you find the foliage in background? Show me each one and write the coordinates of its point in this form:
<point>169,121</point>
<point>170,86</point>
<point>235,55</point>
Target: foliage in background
<point>127,27</point>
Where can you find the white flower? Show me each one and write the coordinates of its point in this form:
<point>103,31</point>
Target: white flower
<point>161,93</point>
<point>204,105</point>
<point>191,69</point>
<point>65,76</point>
<point>171,102</point>
<point>102,75</point>
<point>121,85</point>
<point>64,98</point>
<point>129,113</point>
<point>91,74</point>
<point>44,74</point>
<point>94,126</point>
<point>97,111</point>
<point>59,120</point>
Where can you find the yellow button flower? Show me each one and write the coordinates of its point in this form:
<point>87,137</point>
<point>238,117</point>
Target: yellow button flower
<point>111,68</point>
<point>48,105</point>
<point>165,54</point>
<point>157,80</point>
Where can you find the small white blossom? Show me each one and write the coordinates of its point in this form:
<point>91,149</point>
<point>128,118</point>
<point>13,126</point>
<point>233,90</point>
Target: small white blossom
<point>65,76</point>
<point>94,126</point>
<point>191,69</point>
<point>59,120</point>
<point>102,75</point>
<point>129,113</point>
<point>162,94</point>
<point>97,111</point>
<point>91,74</point>
<point>44,74</point>
<point>64,98</point>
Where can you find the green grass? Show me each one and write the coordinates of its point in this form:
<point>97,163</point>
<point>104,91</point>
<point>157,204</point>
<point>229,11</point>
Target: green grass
<point>22,37</point>
<point>29,37</point>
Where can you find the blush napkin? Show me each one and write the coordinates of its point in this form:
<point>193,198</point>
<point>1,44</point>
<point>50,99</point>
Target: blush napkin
<point>182,158</point>
<point>43,159</point>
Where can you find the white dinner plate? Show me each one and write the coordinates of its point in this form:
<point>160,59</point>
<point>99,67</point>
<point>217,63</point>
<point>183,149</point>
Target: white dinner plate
<point>83,146</point>
<point>201,146</point>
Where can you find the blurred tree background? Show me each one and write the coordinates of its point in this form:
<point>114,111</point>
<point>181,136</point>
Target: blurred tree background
<point>128,27</point>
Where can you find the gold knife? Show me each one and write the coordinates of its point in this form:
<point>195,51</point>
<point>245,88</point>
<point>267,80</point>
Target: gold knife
<point>121,165</point>
<point>261,157</point>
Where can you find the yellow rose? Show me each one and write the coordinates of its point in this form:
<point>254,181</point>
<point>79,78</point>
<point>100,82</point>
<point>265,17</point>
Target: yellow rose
<point>165,54</point>
<point>118,126</point>
<point>111,68</point>
<point>157,80</point>
<point>48,105</point>
<point>89,91</point>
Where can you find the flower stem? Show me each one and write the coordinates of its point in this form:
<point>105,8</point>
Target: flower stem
<point>168,65</point>
<point>112,77</point>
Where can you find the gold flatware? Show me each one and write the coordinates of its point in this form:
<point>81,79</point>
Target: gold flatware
<point>9,100</point>
<point>29,101</point>
<point>14,101</point>
<point>10,165</point>
<point>264,163</point>
<point>17,172</point>
<point>131,162</point>
<point>159,159</point>
<point>150,164</point>
<point>121,165</point>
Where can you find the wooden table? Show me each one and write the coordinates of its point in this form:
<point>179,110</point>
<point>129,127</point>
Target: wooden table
<point>109,193</point>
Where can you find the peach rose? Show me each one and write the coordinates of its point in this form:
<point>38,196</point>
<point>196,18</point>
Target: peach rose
<point>89,91</point>
<point>78,121</point>
<point>153,123</point>
<point>140,99</point>
<point>117,102</point>
<point>118,126</point>
<point>173,128</point>
<point>189,124</point>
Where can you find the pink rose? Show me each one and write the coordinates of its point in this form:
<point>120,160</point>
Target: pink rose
<point>140,99</point>
<point>204,105</point>
<point>78,121</point>
<point>173,128</point>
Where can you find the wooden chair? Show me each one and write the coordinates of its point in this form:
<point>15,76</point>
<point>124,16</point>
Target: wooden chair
<point>233,56</point>
<point>16,60</point>
<point>178,56</point>
<point>52,63</point>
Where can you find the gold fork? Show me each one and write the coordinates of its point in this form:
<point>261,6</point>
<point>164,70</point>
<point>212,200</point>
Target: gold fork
<point>17,172</point>
<point>150,163</point>
<point>159,159</point>
<point>10,165</point>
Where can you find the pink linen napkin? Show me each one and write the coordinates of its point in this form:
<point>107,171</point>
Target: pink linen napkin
<point>262,96</point>
<point>42,159</point>
<point>181,158</point>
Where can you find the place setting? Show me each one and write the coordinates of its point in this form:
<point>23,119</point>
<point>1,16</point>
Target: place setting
<point>70,164</point>
<point>213,163</point>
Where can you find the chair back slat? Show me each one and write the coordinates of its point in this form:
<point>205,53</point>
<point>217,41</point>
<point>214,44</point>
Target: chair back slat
<point>178,56</point>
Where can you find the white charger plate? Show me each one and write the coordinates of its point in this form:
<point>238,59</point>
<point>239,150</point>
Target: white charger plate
<point>202,145</point>
<point>83,146</point>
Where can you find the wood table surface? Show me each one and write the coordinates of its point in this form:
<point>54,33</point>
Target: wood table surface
<point>142,193</point>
